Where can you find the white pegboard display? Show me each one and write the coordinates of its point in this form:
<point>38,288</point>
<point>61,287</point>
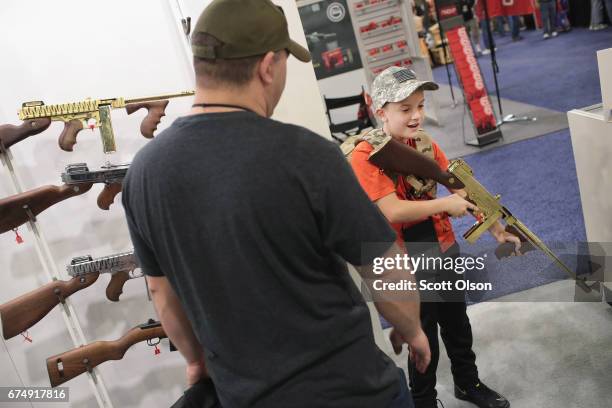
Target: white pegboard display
<point>386,36</point>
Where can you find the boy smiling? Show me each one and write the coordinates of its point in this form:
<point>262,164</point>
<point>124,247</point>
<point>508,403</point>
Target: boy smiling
<point>422,222</point>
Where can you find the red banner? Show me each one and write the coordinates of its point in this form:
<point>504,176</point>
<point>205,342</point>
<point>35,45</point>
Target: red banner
<point>505,8</point>
<point>468,72</point>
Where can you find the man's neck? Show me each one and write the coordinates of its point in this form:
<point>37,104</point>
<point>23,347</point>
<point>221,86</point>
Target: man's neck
<point>240,99</point>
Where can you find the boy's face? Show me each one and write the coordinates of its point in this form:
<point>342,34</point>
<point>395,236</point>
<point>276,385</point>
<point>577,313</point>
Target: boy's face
<point>403,119</point>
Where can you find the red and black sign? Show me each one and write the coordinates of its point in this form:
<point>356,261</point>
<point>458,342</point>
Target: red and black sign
<point>469,74</point>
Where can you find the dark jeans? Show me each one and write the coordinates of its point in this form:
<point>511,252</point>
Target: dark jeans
<point>549,16</point>
<point>449,313</point>
<point>404,398</point>
<point>515,25</point>
<point>485,34</point>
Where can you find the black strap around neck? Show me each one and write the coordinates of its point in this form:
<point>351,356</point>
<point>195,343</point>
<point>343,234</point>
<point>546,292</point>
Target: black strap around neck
<point>220,105</point>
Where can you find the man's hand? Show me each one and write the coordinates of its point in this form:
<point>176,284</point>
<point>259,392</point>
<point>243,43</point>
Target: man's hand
<point>456,206</point>
<point>501,235</point>
<point>195,372</point>
<point>418,347</point>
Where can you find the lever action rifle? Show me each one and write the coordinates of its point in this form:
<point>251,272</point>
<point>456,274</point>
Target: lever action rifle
<point>11,134</point>
<point>19,208</point>
<point>93,113</point>
<point>23,312</point>
<point>491,211</point>
<point>65,366</point>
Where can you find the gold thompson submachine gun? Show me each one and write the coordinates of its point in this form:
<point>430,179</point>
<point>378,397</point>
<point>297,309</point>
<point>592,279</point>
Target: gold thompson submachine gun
<point>492,211</point>
<point>92,113</point>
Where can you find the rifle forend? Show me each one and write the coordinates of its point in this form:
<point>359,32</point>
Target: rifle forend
<point>65,366</point>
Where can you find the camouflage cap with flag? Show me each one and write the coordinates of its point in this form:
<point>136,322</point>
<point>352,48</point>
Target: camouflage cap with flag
<point>246,28</point>
<point>395,84</point>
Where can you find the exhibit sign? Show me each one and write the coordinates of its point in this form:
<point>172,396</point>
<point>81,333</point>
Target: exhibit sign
<point>330,37</point>
<point>468,72</point>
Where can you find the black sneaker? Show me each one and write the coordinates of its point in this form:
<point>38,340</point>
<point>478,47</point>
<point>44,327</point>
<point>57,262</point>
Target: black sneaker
<point>482,396</point>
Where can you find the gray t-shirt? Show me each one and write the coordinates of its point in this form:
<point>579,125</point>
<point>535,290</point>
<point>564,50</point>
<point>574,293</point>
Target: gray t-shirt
<point>252,220</point>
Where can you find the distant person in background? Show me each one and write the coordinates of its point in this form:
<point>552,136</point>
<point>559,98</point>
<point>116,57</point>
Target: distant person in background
<point>470,22</point>
<point>563,23</point>
<point>548,9</point>
<point>597,16</point>
<point>515,26</point>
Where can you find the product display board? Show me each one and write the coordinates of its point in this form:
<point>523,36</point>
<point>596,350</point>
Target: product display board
<point>469,74</point>
<point>330,37</point>
<point>386,36</point>
<point>604,60</point>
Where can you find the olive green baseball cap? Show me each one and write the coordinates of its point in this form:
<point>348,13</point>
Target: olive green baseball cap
<point>246,28</point>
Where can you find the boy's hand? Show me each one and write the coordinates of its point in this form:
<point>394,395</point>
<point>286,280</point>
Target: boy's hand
<point>501,235</point>
<point>456,206</point>
<point>418,347</point>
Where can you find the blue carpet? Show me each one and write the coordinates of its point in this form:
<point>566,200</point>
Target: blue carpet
<point>559,74</point>
<point>538,184</point>
<point>537,181</point>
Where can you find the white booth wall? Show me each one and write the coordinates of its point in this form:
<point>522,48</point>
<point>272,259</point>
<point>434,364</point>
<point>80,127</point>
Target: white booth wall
<point>63,51</point>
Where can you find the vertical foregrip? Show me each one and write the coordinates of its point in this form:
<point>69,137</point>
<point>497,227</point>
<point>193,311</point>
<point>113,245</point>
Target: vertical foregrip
<point>115,286</point>
<point>108,194</point>
<point>156,110</point>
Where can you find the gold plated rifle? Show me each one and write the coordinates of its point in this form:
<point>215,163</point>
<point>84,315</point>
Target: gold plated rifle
<point>23,312</point>
<point>65,366</point>
<point>95,113</point>
<point>492,211</point>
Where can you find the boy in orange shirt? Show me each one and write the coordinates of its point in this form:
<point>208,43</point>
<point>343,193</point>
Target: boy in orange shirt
<point>422,222</point>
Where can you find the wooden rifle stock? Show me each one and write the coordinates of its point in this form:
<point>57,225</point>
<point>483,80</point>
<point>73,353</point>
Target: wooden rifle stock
<point>397,157</point>
<point>11,134</point>
<point>156,110</point>
<point>23,312</point>
<point>65,366</point>
<point>14,209</point>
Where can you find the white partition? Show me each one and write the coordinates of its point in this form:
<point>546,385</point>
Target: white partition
<point>62,51</point>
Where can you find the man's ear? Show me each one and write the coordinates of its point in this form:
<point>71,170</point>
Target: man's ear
<point>381,114</point>
<point>265,68</point>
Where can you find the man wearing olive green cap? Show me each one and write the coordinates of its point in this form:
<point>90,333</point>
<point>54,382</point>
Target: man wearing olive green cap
<point>243,226</point>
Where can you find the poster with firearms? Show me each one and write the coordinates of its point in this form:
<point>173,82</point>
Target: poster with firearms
<point>330,36</point>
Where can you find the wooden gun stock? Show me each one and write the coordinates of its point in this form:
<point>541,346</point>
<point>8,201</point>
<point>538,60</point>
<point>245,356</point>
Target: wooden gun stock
<point>403,159</point>
<point>156,110</point>
<point>67,138</point>
<point>65,366</point>
<point>11,134</point>
<point>108,194</point>
<point>21,313</point>
<point>115,286</point>
<point>13,209</point>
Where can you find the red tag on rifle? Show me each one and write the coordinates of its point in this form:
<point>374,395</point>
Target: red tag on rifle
<point>18,238</point>
<point>157,351</point>
<point>26,337</point>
